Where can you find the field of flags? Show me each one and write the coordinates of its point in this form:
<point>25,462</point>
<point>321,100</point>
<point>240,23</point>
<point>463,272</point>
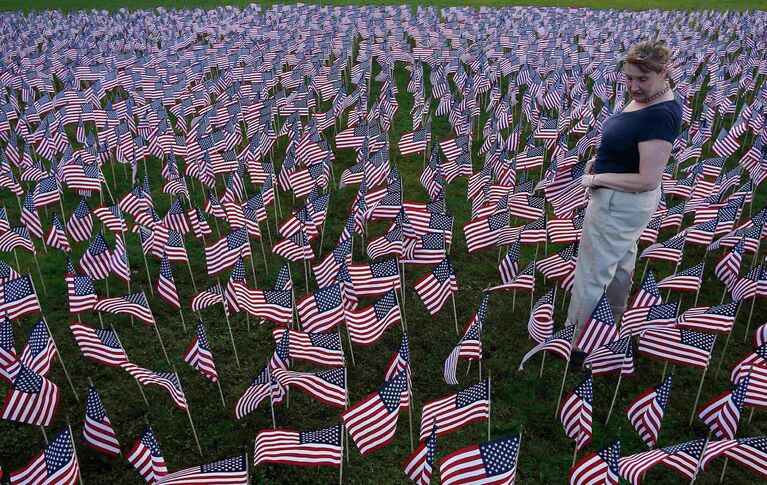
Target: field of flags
<point>336,244</point>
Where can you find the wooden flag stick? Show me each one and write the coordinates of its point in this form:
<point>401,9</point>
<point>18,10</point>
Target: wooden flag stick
<point>702,453</point>
<point>74,450</point>
<point>40,273</point>
<point>229,326</point>
<point>401,290</point>
<point>724,470</point>
<point>263,253</point>
<point>220,392</point>
<point>188,414</point>
<point>726,342</point>
<point>159,338</point>
<point>615,395</point>
<point>543,361</point>
<point>489,405</point>
<point>271,397</point>
<point>697,396</point>
<point>181,314</point>
<point>138,384</point>
<point>45,435</point>
<point>455,314</point>
<point>191,276</point>
<point>562,388</point>
<point>148,276</point>
<point>348,336</point>
<point>341,467</point>
<point>750,315</point>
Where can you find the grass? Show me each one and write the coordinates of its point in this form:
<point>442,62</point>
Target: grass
<point>519,399</point>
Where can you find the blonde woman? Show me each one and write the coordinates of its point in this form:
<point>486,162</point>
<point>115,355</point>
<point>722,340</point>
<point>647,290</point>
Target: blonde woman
<point>624,178</point>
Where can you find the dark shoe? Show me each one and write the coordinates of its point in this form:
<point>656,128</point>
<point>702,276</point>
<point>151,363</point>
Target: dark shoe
<point>577,357</point>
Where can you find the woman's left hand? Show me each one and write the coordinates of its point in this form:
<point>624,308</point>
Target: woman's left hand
<point>587,181</point>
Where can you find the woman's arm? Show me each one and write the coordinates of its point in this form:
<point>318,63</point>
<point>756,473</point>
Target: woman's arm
<point>653,155</point>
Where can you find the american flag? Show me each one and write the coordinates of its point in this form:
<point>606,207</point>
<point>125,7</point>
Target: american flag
<point>9,362</point>
<point>146,457</point>
<point>199,356</point>
<point>599,329</point>
<point>112,217</point>
<point>317,348</point>
<point>16,237</point>
<point>566,230</point>
<point>678,346</point>
<point>208,297</point>
<point>722,414</point>
<point>231,471</point>
<point>648,293</point>
<point>322,447</point>
<point>683,458</point>
<point>98,432</point>
<point>510,264</point>
<point>322,310</point>
<point>486,232</point>
<point>598,467</point>
<point>757,359</point>
<point>295,247</point>
<point>97,260</point>
<point>540,325</point>
<point>223,253</point>
<point>715,319</point>
<point>436,287</point>
<point>645,413</point>
<point>749,452</point>
<point>328,386</point>
<point>560,264</point>
<point>134,304</point>
<point>30,218</point>
<point>166,285</point>
<point>576,412</point>
<point>119,261</point>
<point>98,344</point>
<point>453,412</point>
<point>374,279</point>
<point>366,326</point>
<point>273,305</point>
<point>560,343</point>
<point>491,462</point>
<point>167,380</point>
<point>372,422</point>
<point>728,267</point>
<point>470,345</point>
<point>637,320</point>
<point>40,350</point>
<point>32,399</point>
<point>415,141</point>
<point>56,237</point>
<point>670,250</point>
<point>18,297</point>
<point>56,464</point>
<point>689,279</point>
<point>263,386</point>
<point>617,356</point>
<point>418,466</point>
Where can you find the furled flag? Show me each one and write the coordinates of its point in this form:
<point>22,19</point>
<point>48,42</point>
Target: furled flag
<point>166,285</point>
<point>56,237</point>
<point>756,359</point>
<point>328,386</point>
<point>598,467</point>
<point>119,261</point>
<point>366,326</point>
<point>40,350</point>
<point>722,414</point>
<point>9,362</point>
<point>167,380</point>
<point>134,304</point>
<point>492,462</point>
<point>437,286</point>
<point>576,412</point>
<point>146,457</point>
<point>199,356</point>
<point>18,297</point>
<point>678,346</point>
<point>32,399</point>
<point>322,447</point>
<point>56,464</point>
<point>599,329</point>
<point>98,432</point>
<point>453,412</point>
<point>317,348</point>
<point>749,452</point>
<point>80,225</point>
<point>372,422</point>
<point>540,325</point>
<point>30,218</point>
<point>645,413</point>
<point>418,466</point>
<point>229,471</point>
<point>670,250</point>
<point>112,218</point>
<point>509,266</point>
<point>222,254</point>
<point>322,310</point>
<point>99,345</point>
<point>617,356</point>
<point>683,458</point>
<point>97,260</point>
<point>560,344</point>
<point>728,267</point>
<point>470,345</point>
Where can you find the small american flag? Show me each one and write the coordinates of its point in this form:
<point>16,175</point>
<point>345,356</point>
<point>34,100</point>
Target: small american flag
<point>262,387</point>
<point>648,293</point>
<point>576,412</point>
<point>689,279</point>
<point>715,319</point>
<point>208,297</point>
<point>232,471</point>
<point>560,344</point>
<point>146,457</point>
<point>540,325</point>
<point>418,466</point>
<point>99,345</point>
<point>366,326</point>
<point>40,350</point>
<point>322,310</point>
<point>98,432</point>
<point>683,458</point>
<point>322,447</point>
<point>749,452</point>
<point>637,320</point>
<point>18,297</point>
<point>32,399</point>
<point>134,304</point>
<point>328,386</point>
<point>678,346</point>
<point>56,237</point>
<point>598,467</point>
<point>645,413</point>
<point>599,329</point>
<point>166,285</point>
<point>199,356</point>
<point>224,253</point>
<point>317,348</point>
<point>617,356</point>
<point>80,289</point>
<point>435,288</point>
<point>9,362</point>
<point>57,463</point>
<point>470,345</point>
<point>491,462</point>
<point>723,413</point>
<point>97,260</point>
<point>167,380</point>
<point>453,412</point>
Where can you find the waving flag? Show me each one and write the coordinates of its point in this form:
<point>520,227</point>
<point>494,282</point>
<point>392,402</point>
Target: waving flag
<point>167,380</point>
<point>317,348</point>
<point>722,414</point>
<point>327,386</point>
<point>199,356</point>
<point>322,310</point>
<point>134,304</point>
<point>366,326</point>
<point>689,279</point>
<point>418,466</point>
<point>222,254</point>
<point>262,387</point>
<point>146,457</point>
<point>749,452</point>
<point>560,344</point>
<point>645,413</point>
<point>166,285</point>
<point>32,399</point>
<point>56,464</point>
<point>99,345</point>
<point>40,350</point>
<point>470,345</point>
<point>18,297</point>
<point>598,467</point>
<point>231,471</point>
<point>683,458</point>
<point>540,325</point>
<point>437,286</point>
<point>617,356</point>
<point>97,260</point>
<point>715,319</point>
<point>56,237</point>
<point>648,293</point>
<point>455,411</point>
<point>599,329</point>
<point>80,225</point>
<point>576,412</point>
<point>678,346</point>
<point>322,447</point>
<point>9,362</point>
<point>98,432</point>
<point>493,462</point>
<point>637,320</point>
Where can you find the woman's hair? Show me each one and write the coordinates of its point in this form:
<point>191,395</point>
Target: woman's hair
<point>649,56</point>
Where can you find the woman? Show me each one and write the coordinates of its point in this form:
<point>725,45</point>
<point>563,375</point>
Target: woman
<point>624,178</point>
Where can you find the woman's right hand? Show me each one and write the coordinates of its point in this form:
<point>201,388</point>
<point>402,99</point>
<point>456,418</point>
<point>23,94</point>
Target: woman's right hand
<point>590,166</point>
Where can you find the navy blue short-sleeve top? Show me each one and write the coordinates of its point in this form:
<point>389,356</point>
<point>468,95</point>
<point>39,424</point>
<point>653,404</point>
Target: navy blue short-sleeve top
<point>622,132</point>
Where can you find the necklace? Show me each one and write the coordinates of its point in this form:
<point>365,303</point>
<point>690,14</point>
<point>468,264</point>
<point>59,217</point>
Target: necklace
<point>656,95</point>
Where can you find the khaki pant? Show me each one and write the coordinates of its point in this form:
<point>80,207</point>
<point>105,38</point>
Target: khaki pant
<point>607,252</point>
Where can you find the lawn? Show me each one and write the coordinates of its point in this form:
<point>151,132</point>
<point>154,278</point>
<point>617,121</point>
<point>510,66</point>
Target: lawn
<point>519,399</point>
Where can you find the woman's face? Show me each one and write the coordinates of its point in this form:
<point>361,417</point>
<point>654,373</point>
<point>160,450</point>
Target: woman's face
<point>643,84</point>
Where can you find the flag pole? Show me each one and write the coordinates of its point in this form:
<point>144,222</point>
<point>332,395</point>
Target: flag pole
<point>341,466</point>
<point>351,351</point>
<point>750,315</point>
<point>726,342</point>
<point>489,405</point>
<point>189,415</point>
<point>562,388</point>
<point>74,450</point>
<point>228,325</point>
<point>271,397</point>
<point>615,394</point>
<point>455,314</point>
<point>138,384</point>
<point>700,459</point>
<point>697,396</point>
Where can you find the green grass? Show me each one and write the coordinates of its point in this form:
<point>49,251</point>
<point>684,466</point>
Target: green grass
<point>519,399</point>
